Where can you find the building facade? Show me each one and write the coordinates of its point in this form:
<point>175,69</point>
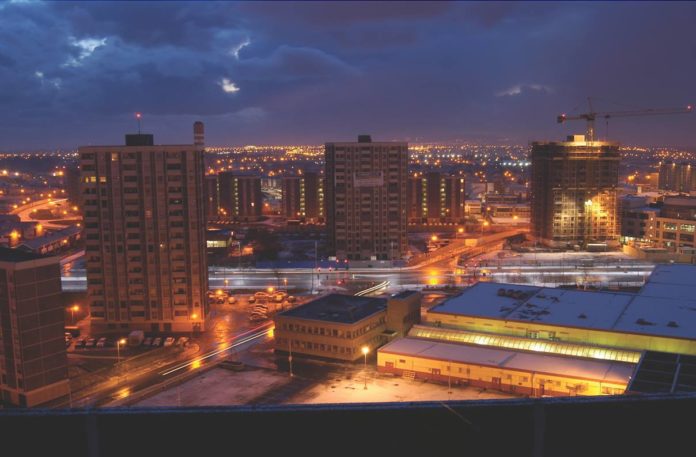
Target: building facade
<point>339,326</point>
<point>574,192</point>
<point>677,177</point>
<point>144,217</point>
<point>366,199</point>
<point>212,197</point>
<point>303,197</point>
<point>240,196</point>
<point>33,361</point>
<point>436,198</point>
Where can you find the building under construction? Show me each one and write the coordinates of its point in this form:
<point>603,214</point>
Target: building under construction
<point>574,185</point>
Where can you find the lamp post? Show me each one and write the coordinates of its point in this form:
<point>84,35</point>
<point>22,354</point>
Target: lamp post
<point>72,312</point>
<point>118,349</point>
<point>365,350</point>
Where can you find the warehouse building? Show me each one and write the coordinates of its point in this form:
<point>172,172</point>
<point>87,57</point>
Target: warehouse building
<point>541,341</point>
<point>660,317</point>
<point>512,371</point>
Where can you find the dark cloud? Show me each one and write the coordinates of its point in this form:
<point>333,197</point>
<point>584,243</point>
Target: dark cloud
<point>266,72</point>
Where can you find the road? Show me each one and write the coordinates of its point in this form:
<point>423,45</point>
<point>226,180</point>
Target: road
<point>25,212</point>
<point>138,375</point>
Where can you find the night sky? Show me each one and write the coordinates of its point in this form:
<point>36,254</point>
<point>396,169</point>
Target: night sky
<point>273,73</point>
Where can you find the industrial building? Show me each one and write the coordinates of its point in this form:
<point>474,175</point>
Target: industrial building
<point>574,192</point>
<point>545,341</point>
<point>144,230</point>
<point>338,326</point>
<point>33,362</point>
<point>658,317</point>
<point>366,199</point>
<point>518,372</point>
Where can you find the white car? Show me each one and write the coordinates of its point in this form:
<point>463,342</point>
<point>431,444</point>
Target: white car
<point>90,342</point>
<point>157,341</point>
<point>182,341</point>
<point>102,342</point>
<point>169,341</point>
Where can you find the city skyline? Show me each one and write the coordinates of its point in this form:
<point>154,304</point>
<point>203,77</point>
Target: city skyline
<point>265,73</point>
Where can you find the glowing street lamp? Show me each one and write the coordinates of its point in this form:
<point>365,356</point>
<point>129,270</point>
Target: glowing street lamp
<point>118,349</point>
<point>365,350</point>
<point>73,310</point>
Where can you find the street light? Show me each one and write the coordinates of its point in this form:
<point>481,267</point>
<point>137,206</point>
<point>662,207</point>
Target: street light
<point>365,350</point>
<point>118,349</point>
<point>73,309</point>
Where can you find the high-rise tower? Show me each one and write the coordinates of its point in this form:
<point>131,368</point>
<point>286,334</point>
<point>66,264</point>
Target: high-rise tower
<point>366,199</point>
<point>145,235</point>
<point>573,189</point>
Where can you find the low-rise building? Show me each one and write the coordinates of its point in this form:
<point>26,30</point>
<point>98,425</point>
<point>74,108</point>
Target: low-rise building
<point>338,326</point>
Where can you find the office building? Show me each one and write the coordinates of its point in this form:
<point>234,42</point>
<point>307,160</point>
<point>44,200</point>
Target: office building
<point>366,199</point>
<point>677,177</point>
<point>675,226</point>
<point>144,217</point>
<point>574,192</point>
<point>33,362</point>
<point>338,326</point>
<point>240,196</point>
<point>303,197</point>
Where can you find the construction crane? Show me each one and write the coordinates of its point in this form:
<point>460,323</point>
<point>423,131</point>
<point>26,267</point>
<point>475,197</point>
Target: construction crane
<point>592,115</point>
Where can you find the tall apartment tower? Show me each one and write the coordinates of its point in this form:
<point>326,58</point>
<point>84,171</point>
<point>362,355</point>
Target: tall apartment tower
<point>212,197</point>
<point>436,197</point>
<point>144,217</point>
<point>33,362</point>
<point>303,197</point>
<point>240,196</point>
<point>677,177</point>
<point>366,199</point>
<point>574,192</point>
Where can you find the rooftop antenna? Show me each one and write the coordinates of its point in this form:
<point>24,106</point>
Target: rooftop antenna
<point>138,116</point>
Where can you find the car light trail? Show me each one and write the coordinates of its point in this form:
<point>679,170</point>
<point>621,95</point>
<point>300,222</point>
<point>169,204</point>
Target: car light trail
<point>197,362</point>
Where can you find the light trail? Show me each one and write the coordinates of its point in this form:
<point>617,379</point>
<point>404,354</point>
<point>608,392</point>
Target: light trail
<point>197,362</point>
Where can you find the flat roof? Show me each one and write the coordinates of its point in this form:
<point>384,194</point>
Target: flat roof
<point>602,370</point>
<point>15,255</point>
<point>665,306</point>
<point>343,309</point>
<point>405,293</point>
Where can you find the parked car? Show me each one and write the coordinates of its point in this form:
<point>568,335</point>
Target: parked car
<point>90,343</point>
<point>231,300</point>
<point>261,295</point>
<point>291,299</point>
<point>68,336</point>
<point>256,316</point>
<point>102,342</point>
<point>252,299</point>
<point>67,343</point>
<point>169,341</point>
<point>234,365</point>
<point>147,341</point>
<point>80,342</point>
<point>157,341</point>
<point>182,341</point>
